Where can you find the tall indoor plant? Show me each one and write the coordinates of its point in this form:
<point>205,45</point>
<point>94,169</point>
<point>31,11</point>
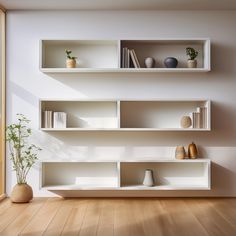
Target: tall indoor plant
<point>23,156</point>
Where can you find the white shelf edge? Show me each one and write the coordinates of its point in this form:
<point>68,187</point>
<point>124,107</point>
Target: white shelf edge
<point>122,70</point>
<point>124,188</point>
<point>201,160</point>
<point>119,129</point>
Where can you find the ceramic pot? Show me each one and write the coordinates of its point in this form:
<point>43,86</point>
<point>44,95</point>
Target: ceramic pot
<point>192,64</point>
<point>180,152</point>
<point>192,151</point>
<point>185,122</point>
<point>21,193</point>
<point>149,62</point>
<point>148,178</point>
<point>70,63</point>
<point>171,62</point>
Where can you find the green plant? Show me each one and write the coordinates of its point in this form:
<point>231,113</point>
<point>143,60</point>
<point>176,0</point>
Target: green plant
<point>22,154</point>
<point>68,55</point>
<point>192,53</point>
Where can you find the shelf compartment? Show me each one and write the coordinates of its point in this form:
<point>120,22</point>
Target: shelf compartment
<point>161,49</point>
<point>84,114</point>
<point>79,175</point>
<point>167,175</point>
<point>90,53</point>
<point>159,115</point>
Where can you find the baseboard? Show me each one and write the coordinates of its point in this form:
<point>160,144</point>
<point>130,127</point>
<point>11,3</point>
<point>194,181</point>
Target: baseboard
<point>2,196</point>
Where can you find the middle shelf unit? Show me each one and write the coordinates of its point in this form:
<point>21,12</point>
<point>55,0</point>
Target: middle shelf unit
<point>169,174</point>
<point>125,115</point>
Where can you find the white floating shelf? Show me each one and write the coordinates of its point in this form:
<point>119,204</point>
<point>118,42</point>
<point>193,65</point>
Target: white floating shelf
<point>109,52</point>
<point>125,115</point>
<point>92,175</point>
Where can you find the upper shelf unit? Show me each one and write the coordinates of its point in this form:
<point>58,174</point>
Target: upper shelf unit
<point>124,115</point>
<point>104,56</point>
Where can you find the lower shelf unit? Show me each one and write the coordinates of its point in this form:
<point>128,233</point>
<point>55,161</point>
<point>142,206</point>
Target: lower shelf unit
<point>125,175</point>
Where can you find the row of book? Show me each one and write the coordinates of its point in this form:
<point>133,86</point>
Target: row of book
<point>54,119</point>
<point>199,118</point>
<point>129,59</point>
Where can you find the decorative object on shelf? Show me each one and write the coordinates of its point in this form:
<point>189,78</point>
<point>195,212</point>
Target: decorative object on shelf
<point>23,156</point>
<point>148,178</point>
<point>171,62</point>
<point>59,120</point>
<point>180,152</point>
<point>47,119</point>
<point>192,151</point>
<point>186,122</point>
<point>192,53</point>
<point>71,61</point>
<point>149,62</point>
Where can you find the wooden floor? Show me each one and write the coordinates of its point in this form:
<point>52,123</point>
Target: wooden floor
<point>106,217</point>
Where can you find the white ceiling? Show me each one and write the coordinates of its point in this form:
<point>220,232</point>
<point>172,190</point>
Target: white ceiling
<point>119,4</point>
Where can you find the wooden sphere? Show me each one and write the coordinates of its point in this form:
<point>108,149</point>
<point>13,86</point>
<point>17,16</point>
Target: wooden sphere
<point>185,122</point>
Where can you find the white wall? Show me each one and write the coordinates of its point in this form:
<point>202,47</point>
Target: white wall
<point>26,84</point>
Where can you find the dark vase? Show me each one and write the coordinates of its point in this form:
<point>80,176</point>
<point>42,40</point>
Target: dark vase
<point>171,62</point>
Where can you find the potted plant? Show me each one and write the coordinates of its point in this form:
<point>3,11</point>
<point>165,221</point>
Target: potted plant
<point>23,156</point>
<point>192,53</point>
<point>71,61</point>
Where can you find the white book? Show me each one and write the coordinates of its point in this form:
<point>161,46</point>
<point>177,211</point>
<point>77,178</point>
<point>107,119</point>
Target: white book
<point>133,59</point>
<point>59,120</point>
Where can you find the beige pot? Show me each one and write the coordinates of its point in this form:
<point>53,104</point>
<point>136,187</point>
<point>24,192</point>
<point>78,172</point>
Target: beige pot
<point>180,152</point>
<point>192,63</point>
<point>21,193</point>
<point>70,63</point>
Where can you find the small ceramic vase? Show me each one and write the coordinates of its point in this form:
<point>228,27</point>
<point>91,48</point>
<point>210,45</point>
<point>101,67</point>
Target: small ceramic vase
<point>21,193</point>
<point>185,122</point>
<point>70,63</point>
<point>192,151</point>
<point>171,62</point>
<point>149,62</point>
<point>148,178</point>
<point>180,152</point>
<point>192,64</point>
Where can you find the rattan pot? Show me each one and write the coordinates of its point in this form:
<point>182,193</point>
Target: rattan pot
<point>70,63</point>
<point>21,193</point>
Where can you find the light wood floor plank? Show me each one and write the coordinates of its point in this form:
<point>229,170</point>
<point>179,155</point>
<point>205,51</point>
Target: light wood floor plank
<point>75,219</point>
<point>209,218</point>
<point>41,220</point>
<point>106,219</point>
<point>10,214</point>
<point>182,219</point>
<point>17,225</point>
<point>58,222</point>
<point>89,226</point>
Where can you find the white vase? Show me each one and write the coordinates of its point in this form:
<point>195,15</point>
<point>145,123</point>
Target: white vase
<point>149,62</point>
<point>148,178</point>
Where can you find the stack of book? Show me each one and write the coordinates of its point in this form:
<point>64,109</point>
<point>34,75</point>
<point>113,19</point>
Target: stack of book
<point>129,59</point>
<point>199,118</point>
<point>59,120</point>
<point>54,119</point>
<point>47,119</point>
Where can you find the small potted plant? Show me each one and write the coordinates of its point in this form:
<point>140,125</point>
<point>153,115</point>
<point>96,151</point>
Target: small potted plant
<point>192,54</point>
<point>71,61</point>
<point>23,156</point>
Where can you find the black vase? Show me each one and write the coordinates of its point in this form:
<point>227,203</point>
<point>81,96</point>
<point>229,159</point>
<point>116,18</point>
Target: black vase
<point>171,62</point>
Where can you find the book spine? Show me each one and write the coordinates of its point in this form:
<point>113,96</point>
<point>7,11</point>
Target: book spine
<point>133,59</point>
<point>136,59</point>
<point>59,119</point>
